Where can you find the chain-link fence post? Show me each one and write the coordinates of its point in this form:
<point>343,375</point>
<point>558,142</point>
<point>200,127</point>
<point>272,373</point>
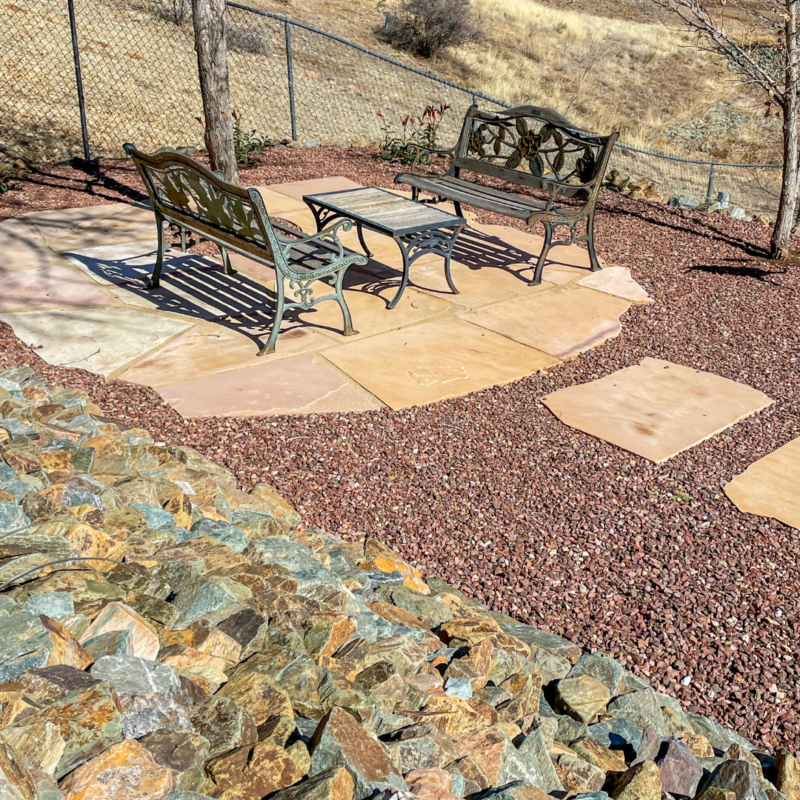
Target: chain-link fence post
<point>710,187</point>
<point>290,78</point>
<point>76,56</point>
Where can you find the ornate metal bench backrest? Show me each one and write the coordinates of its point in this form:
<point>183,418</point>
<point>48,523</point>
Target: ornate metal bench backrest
<point>535,147</point>
<point>187,193</point>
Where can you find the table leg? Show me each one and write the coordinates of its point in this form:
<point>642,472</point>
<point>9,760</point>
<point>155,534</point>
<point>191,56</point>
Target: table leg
<point>415,245</point>
<point>360,230</point>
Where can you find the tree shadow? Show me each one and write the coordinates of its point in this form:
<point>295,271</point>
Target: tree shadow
<point>744,271</point>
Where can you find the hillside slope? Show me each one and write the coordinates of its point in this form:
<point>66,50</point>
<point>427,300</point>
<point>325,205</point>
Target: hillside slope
<point>624,64</point>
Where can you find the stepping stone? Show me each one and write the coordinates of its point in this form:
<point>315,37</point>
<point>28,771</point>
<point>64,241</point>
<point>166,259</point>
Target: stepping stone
<point>133,262</point>
<point>769,487</point>
<point>210,348</point>
<point>51,287</point>
<point>656,409</point>
<point>23,247</point>
<point>90,226</point>
<point>296,189</point>
<point>439,359</point>
<point>616,281</point>
<point>300,385</point>
<point>563,321</point>
<point>101,340</point>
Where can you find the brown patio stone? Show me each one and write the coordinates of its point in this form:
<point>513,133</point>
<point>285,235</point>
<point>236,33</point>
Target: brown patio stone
<point>301,384</point>
<point>51,287</point>
<point>367,300</point>
<point>443,358</point>
<point>617,281</point>
<point>101,340</point>
<point>297,189</point>
<point>209,348</point>
<point>133,262</point>
<point>90,226</point>
<point>23,247</point>
<point>563,321</point>
<point>655,409</point>
<point>769,487</point>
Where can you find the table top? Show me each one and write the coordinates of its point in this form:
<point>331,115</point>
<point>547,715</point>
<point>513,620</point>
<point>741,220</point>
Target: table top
<point>384,211</point>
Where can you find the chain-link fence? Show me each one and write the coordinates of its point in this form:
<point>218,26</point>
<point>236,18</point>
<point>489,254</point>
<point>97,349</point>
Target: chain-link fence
<point>81,77</point>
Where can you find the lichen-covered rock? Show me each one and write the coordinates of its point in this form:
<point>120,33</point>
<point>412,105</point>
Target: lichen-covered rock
<point>125,771</point>
<point>582,697</point>
<point>237,655</point>
<point>340,741</point>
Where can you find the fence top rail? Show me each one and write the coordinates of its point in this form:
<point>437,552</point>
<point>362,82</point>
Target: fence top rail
<point>474,93</point>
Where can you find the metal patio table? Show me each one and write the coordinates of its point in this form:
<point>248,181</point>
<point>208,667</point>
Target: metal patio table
<point>417,228</point>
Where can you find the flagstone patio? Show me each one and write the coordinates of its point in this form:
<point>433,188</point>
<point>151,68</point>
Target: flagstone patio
<point>72,284</point>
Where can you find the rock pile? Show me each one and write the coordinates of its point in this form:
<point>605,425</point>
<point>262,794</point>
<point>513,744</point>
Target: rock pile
<point>646,189</point>
<point>165,634</point>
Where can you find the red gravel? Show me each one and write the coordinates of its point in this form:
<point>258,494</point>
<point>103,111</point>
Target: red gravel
<point>493,493</point>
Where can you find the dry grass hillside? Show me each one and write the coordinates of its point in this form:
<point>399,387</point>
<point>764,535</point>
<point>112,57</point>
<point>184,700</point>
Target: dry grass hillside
<point>602,63</point>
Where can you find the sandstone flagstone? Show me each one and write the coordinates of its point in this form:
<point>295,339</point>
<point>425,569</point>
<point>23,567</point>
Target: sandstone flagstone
<point>132,263</point>
<point>301,384</point>
<point>296,189</point>
<point>617,281</point>
<point>89,226</point>
<point>656,409</point>
<point>101,340</point>
<point>563,321</point>
<point>211,348</point>
<point>51,287</point>
<point>22,246</point>
<point>769,486</point>
<point>435,360</point>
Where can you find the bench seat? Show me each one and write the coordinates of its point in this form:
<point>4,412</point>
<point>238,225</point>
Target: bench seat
<point>460,190</point>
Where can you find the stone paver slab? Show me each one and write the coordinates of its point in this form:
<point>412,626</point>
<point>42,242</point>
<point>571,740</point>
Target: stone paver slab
<point>770,487</point>
<point>210,348</point>
<point>200,293</point>
<point>133,262</point>
<point>573,256</point>
<point>296,189</point>
<point>51,287</point>
<point>617,281</point>
<point>563,321</point>
<point>367,298</point>
<point>101,340</point>
<point>298,385</point>
<point>22,246</point>
<point>90,226</point>
<point>439,359</point>
<point>656,409</point>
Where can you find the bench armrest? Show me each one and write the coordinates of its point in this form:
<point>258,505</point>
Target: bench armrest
<point>422,151</point>
<point>328,233</point>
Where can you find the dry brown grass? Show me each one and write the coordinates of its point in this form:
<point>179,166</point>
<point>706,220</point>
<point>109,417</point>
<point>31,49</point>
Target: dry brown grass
<point>602,71</point>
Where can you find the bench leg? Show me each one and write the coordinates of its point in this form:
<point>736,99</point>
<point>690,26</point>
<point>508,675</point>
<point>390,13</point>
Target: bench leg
<point>590,242</point>
<point>457,208</point>
<point>548,241</point>
<point>156,279</point>
<point>348,322</point>
<point>269,347</point>
<point>226,261</point>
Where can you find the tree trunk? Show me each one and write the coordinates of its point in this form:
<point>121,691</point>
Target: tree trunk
<point>208,17</point>
<point>779,245</point>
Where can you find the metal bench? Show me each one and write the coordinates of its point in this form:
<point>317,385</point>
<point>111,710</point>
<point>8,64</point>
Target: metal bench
<point>186,193</point>
<point>527,146</point>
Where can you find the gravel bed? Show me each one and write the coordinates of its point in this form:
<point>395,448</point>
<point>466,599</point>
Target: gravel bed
<point>649,563</point>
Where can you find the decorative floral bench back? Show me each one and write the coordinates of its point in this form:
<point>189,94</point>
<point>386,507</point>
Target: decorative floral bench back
<point>534,147</point>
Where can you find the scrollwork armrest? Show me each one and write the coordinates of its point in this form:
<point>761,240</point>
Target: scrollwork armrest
<point>326,233</point>
<point>422,151</point>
